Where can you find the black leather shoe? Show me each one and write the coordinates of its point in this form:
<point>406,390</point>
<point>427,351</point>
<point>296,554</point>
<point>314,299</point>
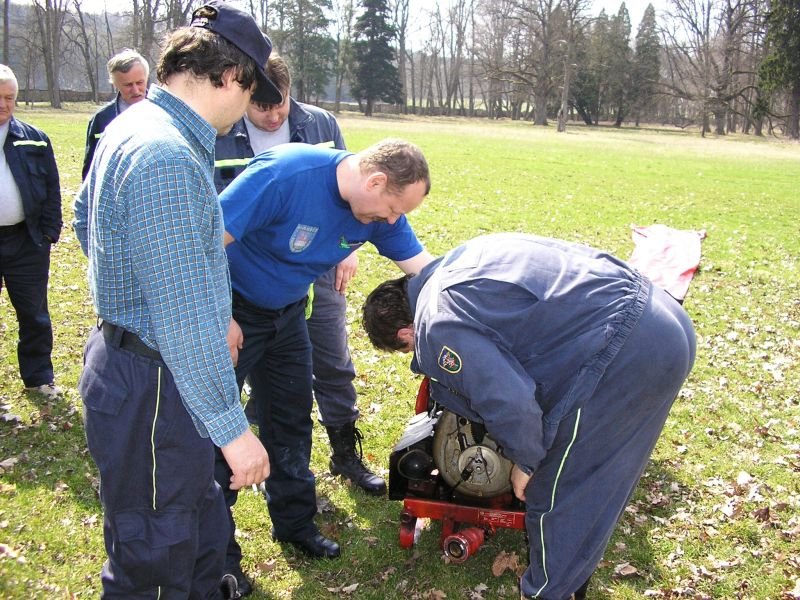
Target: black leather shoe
<point>229,587</point>
<point>317,546</point>
<point>244,587</point>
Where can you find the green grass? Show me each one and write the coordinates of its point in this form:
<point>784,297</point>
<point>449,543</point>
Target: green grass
<point>717,514</point>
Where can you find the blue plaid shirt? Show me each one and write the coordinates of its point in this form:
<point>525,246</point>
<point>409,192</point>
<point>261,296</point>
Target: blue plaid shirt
<point>147,217</point>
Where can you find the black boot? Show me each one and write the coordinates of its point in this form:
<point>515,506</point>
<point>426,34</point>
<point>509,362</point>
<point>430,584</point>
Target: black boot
<point>348,464</point>
<point>580,593</point>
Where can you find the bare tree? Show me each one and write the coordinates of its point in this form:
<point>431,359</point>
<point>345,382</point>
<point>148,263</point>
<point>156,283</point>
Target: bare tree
<point>528,61</point>
<point>6,37</point>
<point>82,32</point>
<point>752,56</point>
<point>260,11</point>
<point>574,18</point>
<point>343,63</point>
<point>400,12</point>
<point>50,16</point>
<point>177,13</point>
<point>145,21</point>
<point>701,50</point>
<point>451,30</point>
<point>493,35</point>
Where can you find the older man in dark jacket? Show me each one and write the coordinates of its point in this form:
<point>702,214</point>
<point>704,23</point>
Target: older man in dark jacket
<point>128,72</point>
<point>30,221</point>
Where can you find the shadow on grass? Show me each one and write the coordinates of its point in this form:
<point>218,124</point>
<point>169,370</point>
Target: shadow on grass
<point>374,566</point>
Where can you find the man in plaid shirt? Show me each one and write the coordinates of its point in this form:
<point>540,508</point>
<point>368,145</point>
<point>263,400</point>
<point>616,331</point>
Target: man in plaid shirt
<point>158,383</point>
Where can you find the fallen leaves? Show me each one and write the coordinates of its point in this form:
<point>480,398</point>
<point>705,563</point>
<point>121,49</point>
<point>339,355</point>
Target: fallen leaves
<point>625,570</point>
<point>505,561</point>
<point>346,590</point>
<point>9,463</point>
<point>267,566</point>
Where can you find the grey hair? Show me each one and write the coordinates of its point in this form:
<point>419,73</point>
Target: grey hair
<point>7,76</point>
<point>124,61</point>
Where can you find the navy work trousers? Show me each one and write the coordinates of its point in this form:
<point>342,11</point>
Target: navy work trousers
<point>333,368</point>
<point>164,515</point>
<point>580,490</point>
<point>24,270</point>
<point>276,359</point>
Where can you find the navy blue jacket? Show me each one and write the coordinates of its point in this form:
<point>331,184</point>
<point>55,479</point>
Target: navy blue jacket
<point>516,332</point>
<point>307,124</point>
<point>30,157</point>
<point>94,132</point>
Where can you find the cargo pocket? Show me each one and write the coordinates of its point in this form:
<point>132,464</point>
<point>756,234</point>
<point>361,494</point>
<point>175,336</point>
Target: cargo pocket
<point>100,396</point>
<point>150,547</point>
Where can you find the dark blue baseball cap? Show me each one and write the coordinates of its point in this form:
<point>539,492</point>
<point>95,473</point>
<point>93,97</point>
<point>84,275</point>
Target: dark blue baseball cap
<point>241,30</point>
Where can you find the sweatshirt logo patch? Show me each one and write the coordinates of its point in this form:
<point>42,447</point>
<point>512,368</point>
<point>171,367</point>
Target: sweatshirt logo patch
<point>302,237</point>
<point>449,360</point>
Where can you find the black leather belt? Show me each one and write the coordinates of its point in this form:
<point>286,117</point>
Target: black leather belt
<point>127,340</point>
<point>9,229</point>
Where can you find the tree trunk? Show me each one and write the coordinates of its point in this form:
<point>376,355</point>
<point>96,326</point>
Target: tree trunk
<point>50,20</point>
<point>794,117</point>
<point>540,107</point>
<point>401,72</point>
<point>85,47</point>
<point>412,77</point>
<point>719,120</point>
<point>758,127</point>
<point>620,117</point>
<point>562,112</point>
<point>587,118</point>
<point>136,25</point>
<point>6,39</point>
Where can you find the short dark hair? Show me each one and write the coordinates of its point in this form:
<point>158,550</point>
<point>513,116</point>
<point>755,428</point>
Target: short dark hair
<point>386,311</point>
<point>401,161</point>
<point>204,54</point>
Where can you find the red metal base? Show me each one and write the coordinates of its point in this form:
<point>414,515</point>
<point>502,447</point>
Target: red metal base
<point>452,516</point>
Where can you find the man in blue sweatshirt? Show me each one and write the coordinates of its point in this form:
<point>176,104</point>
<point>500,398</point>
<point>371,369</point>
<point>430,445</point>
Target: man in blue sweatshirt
<point>296,212</point>
<point>263,127</point>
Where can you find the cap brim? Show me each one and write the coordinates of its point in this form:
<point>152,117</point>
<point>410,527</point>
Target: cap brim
<point>266,91</point>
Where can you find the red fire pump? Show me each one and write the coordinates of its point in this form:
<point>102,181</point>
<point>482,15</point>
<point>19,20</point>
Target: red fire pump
<point>448,468</point>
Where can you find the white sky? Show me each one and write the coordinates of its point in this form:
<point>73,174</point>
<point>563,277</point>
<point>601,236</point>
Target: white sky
<point>635,7</point>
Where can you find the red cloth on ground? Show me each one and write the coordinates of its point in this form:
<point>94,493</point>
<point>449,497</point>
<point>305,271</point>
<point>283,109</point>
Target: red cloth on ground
<point>668,257</point>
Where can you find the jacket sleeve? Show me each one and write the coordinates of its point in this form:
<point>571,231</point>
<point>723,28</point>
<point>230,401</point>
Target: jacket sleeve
<point>81,222</point>
<point>489,382</point>
<point>50,223</point>
<point>91,145</point>
<point>338,138</point>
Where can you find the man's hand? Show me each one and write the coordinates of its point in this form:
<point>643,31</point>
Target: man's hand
<point>345,271</point>
<point>519,481</point>
<point>247,459</point>
<point>235,340</point>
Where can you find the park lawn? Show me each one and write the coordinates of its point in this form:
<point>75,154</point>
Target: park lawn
<point>717,514</point>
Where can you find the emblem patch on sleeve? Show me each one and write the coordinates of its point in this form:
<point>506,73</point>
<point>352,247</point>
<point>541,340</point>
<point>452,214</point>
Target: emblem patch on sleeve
<point>449,360</point>
<point>302,237</point>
